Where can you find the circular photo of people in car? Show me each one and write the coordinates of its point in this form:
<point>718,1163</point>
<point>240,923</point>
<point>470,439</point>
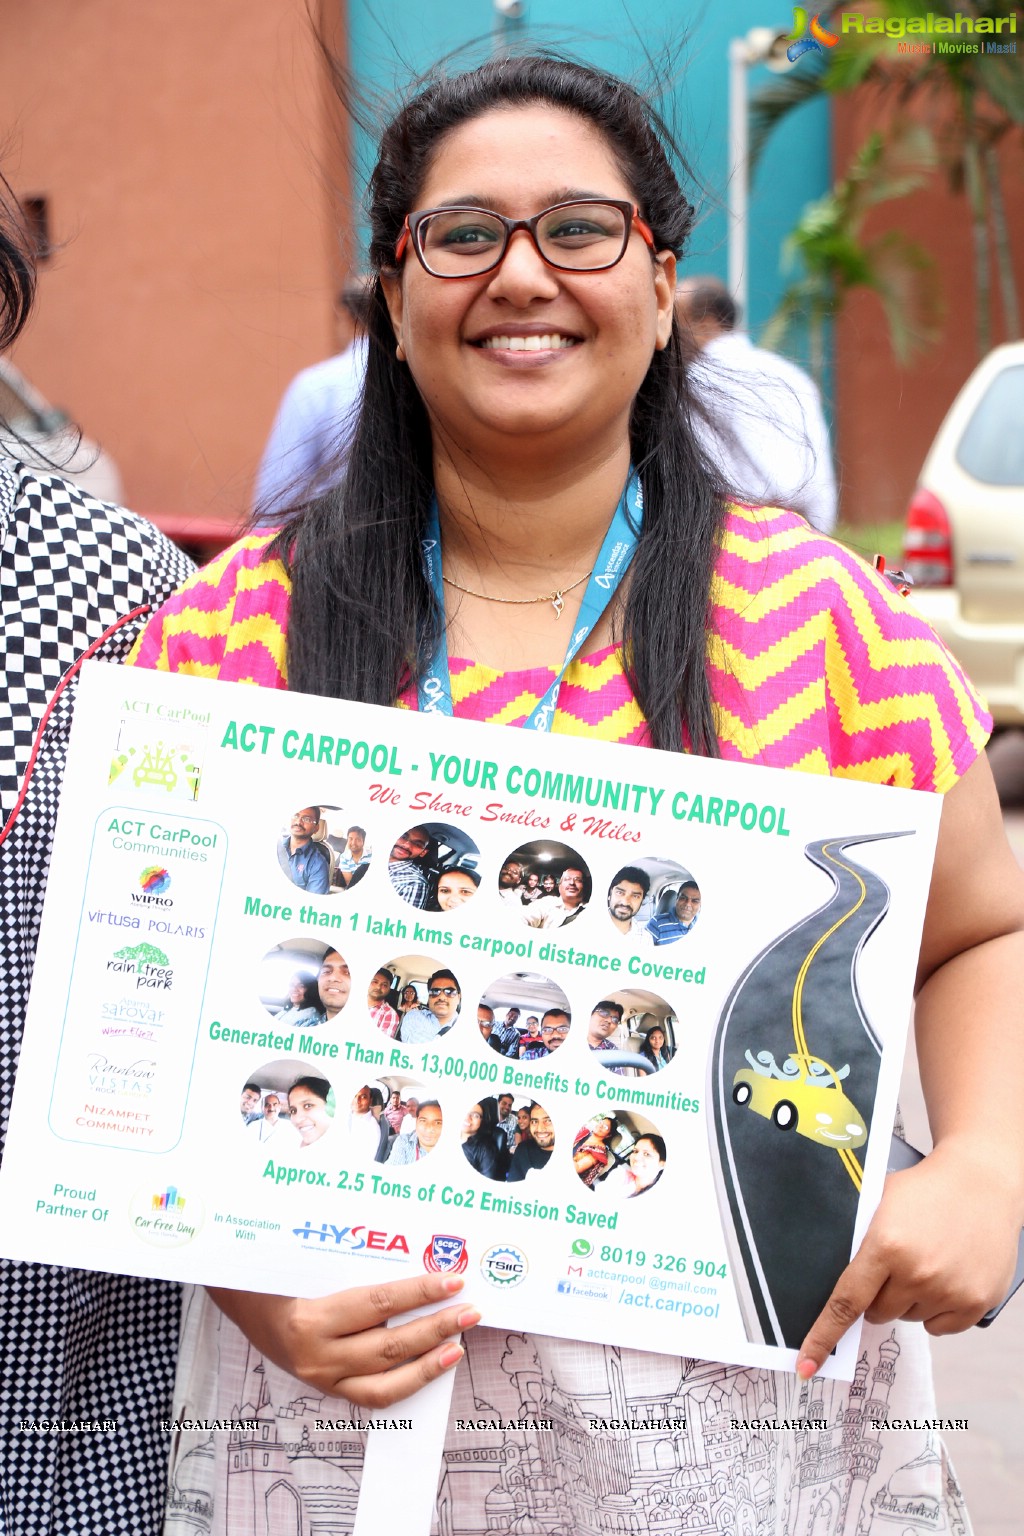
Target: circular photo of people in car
<point>288,1103</point>
<point>632,1033</point>
<point>652,902</point>
<point>618,1155</point>
<point>524,1016</point>
<point>506,1137</point>
<point>322,850</point>
<point>433,867</point>
<point>304,983</point>
<point>547,884</point>
<point>414,998</point>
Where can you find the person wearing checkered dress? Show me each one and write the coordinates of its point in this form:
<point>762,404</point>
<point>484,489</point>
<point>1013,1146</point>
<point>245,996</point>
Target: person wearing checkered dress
<point>75,1345</point>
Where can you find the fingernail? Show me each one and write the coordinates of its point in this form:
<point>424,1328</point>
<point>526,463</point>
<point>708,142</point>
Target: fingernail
<point>453,1284</point>
<point>469,1318</point>
<point>450,1355</point>
<point>806,1367</point>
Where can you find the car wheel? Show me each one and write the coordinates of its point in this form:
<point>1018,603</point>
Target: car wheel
<point>741,1094</point>
<point>784,1115</point>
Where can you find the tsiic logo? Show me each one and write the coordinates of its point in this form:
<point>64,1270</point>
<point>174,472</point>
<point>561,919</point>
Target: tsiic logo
<point>820,38</point>
<point>354,1239</point>
<point>155,882</point>
<point>504,1266</point>
<point>445,1255</point>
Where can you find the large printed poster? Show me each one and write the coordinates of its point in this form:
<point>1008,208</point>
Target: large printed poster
<point>329,994</point>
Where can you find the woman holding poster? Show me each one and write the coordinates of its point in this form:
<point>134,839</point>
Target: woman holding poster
<point>527,519</point>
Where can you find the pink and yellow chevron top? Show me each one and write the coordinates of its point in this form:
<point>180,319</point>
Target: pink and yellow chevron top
<point>815,663</point>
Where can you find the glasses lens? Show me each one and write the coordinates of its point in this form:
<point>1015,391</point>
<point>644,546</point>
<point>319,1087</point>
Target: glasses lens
<point>582,236</point>
<point>460,241</point>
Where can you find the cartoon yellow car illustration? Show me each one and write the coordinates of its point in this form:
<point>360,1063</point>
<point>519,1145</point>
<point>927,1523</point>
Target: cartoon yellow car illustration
<point>804,1096</point>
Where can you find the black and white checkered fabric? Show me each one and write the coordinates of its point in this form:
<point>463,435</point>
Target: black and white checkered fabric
<point>73,1345</point>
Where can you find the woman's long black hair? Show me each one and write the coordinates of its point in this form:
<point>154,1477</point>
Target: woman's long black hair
<point>364,621</point>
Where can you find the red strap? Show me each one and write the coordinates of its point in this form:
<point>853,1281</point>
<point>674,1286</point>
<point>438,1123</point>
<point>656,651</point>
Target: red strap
<point>68,675</point>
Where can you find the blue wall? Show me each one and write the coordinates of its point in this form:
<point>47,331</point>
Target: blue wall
<point>391,40</point>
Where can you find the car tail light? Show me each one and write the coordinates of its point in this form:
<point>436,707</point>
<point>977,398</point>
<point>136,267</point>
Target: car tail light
<point>927,543</point>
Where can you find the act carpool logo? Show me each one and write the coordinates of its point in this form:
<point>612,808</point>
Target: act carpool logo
<point>504,1266</point>
<point>445,1255</point>
<point>820,38</point>
<point>165,1217</point>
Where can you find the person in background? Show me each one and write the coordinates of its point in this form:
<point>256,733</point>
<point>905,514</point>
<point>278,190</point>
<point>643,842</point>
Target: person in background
<point>395,1112</point>
<point>530,1044</point>
<point>311,1107</point>
<point>670,926</point>
<point>482,1141</point>
<point>762,423</point>
<point>507,1122</point>
<point>354,860</point>
<point>590,1151</point>
<point>272,1121</point>
<point>370,1133</point>
<point>310,437</point>
<point>303,1005</point>
<point>506,1034</point>
<point>654,1047</point>
<point>530,1156</point>
<point>306,863</point>
<point>407,865</point>
<point>380,1010</point>
<point>455,886</point>
<point>410,1149</point>
<point>444,999</point>
<point>250,1103</point>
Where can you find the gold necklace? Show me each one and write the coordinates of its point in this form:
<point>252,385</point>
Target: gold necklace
<point>556,598</point>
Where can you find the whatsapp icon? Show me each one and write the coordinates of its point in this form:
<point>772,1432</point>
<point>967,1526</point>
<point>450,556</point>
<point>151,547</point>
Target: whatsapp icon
<point>581,1248</point>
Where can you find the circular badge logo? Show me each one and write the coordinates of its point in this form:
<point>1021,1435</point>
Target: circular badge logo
<point>154,880</point>
<point>168,1218</point>
<point>445,1255</point>
<point>504,1266</point>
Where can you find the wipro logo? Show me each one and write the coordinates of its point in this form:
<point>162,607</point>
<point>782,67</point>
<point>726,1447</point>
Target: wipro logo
<point>820,38</point>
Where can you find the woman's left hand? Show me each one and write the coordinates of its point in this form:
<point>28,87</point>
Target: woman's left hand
<point>941,1251</point>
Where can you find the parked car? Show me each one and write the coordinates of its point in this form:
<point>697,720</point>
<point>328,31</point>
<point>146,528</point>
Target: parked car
<point>964,536</point>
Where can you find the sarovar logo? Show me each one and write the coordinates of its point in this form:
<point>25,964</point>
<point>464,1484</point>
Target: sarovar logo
<point>165,1217</point>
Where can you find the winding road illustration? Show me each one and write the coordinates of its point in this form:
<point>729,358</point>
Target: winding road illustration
<point>793,1073</point>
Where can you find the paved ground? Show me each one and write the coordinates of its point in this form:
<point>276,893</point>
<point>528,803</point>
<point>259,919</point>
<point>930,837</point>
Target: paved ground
<point>979,1375</point>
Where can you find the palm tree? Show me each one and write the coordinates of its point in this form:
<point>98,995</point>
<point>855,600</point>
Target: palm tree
<point>965,102</point>
<point>829,248</point>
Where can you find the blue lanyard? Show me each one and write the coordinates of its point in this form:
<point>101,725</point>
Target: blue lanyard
<point>435,694</point>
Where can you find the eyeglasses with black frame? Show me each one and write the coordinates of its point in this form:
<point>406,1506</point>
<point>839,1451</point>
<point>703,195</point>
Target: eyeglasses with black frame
<point>584,235</point>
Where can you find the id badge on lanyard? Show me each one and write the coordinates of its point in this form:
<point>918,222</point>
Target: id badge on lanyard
<point>435,690</point>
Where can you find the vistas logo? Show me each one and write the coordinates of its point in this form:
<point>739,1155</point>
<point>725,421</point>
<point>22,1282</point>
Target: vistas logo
<point>820,38</point>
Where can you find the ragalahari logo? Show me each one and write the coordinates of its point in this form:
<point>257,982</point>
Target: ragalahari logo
<point>820,38</point>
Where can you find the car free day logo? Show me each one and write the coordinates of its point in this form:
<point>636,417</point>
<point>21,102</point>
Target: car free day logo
<point>165,1217</point>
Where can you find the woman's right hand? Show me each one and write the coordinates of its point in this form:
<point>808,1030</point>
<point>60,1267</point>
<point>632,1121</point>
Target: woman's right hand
<point>340,1344</point>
